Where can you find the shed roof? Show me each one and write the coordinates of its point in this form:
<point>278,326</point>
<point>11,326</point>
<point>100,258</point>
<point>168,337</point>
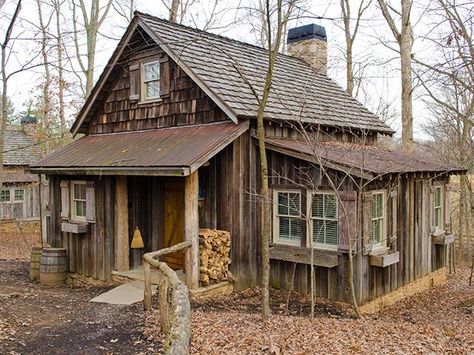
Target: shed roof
<point>166,151</point>
<point>359,158</point>
<point>230,72</point>
<point>19,148</point>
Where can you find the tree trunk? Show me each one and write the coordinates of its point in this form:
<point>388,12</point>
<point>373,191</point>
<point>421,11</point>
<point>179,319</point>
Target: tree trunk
<point>405,42</point>
<point>174,10</point>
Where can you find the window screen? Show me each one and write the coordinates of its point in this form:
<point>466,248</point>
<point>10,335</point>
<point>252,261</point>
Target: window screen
<point>324,217</point>
<point>288,212</point>
<point>151,80</point>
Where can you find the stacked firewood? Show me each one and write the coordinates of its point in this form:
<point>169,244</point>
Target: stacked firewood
<point>214,256</point>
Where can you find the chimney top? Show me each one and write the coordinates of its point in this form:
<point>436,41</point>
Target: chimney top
<point>311,31</point>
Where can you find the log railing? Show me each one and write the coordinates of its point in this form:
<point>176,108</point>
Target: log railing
<point>174,305</point>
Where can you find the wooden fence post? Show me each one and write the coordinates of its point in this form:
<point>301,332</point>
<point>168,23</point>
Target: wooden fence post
<point>191,229</point>
<point>147,293</point>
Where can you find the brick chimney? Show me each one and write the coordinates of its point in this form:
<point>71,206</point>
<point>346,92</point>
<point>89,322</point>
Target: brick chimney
<point>309,43</point>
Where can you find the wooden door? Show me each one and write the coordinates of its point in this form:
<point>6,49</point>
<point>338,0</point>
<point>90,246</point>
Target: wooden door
<point>174,223</point>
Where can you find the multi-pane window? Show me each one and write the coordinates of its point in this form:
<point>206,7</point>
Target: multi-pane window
<point>378,218</point>
<point>19,195</point>
<point>438,207</point>
<point>287,217</point>
<point>79,200</point>
<point>5,196</point>
<point>324,216</point>
<point>151,80</point>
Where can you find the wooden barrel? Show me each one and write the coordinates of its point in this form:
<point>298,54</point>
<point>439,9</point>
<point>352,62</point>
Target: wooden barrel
<point>35,263</point>
<point>53,266</point>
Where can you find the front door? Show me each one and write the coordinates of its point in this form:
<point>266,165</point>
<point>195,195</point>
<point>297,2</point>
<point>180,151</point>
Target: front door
<point>174,223</point>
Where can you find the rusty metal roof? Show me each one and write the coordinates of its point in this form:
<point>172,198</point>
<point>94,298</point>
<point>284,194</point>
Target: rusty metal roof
<point>355,158</point>
<point>166,151</point>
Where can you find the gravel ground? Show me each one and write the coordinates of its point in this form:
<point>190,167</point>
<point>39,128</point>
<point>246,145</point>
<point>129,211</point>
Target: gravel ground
<point>36,319</point>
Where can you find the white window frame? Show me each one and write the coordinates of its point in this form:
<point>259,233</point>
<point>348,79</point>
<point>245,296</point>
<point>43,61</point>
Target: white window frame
<point>440,207</point>
<point>72,207</point>
<point>383,241</point>
<point>276,217</point>
<point>9,195</point>
<point>309,208</point>
<point>143,96</point>
<point>14,195</point>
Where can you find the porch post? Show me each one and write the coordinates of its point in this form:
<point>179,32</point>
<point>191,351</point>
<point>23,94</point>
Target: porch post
<point>191,229</point>
<point>121,214</point>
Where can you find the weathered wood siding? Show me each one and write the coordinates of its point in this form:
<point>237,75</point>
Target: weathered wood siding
<point>288,130</point>
<point>91,253</point>
<point>418,254</point>
<point>29,209</point>
<point>184,104</point>
<point>229,203</point>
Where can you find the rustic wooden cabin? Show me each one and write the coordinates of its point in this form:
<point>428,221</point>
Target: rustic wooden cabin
<point>19,191</point>
<point>169,147</point>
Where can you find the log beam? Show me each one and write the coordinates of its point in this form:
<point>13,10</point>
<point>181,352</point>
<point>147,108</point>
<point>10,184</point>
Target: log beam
<point>191,229</point>
<point>121,236</point>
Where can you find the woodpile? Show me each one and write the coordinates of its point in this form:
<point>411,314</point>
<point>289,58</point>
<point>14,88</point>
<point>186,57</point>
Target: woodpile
<point>214,256</point>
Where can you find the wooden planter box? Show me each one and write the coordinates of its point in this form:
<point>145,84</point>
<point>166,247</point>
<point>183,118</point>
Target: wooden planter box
<point>76,228</point>
<point>443,239</point>
<point>384,260</point>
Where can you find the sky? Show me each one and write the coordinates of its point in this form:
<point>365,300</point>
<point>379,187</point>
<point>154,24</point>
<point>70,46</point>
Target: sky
<point>371,48</point>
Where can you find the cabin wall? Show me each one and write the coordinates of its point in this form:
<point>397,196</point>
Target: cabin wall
<point>228,203</point>
<point>28,209</point>
<point>324,134</point>
<point>185,104</point>
<point>419,256</point>
<point>92,253</point>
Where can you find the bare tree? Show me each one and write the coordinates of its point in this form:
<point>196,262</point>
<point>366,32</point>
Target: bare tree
<point>5,77</point>
<point>60,69</point>
<point>404,39</point>
<point>448,83</point>
<point>92,20</point>
<point>350,36</point>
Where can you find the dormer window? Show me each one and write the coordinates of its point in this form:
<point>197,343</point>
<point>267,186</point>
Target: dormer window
<point>150,81</point>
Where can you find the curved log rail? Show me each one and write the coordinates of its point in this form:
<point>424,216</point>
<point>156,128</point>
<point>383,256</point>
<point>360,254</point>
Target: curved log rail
<point>174,305</point>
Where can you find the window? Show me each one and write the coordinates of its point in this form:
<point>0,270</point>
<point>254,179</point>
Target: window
<point>287,213</point>
<point>324,218</point>
<point>4,195</point>
<point>19,195</point>
<point>150,80</point>
<point>79,201</point>
<point>438,207</point>
<point>378,219</point>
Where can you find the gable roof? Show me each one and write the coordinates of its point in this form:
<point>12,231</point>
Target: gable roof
<point>230,72</point>
<point>19,148</point>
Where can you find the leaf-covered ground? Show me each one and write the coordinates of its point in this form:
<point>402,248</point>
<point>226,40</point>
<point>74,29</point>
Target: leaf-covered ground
<point>440,320</point>
<point>36,320</point>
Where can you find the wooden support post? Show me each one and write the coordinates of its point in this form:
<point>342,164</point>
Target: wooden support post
<point>191,229</point>
<point>147,292</point>
<point>121,236</point>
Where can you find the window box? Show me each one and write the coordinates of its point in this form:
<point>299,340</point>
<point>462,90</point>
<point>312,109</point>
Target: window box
<point>384,260</point>
<point>75,228</point>
<point>302,255</point>
<point>442,238</point>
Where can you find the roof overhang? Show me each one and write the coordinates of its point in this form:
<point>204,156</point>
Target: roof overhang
<point>365,161</point>
<point>177,151</point>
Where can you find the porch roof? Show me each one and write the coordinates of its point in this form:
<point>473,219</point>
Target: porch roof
<point>176,151</point>
<point>359,159</point>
